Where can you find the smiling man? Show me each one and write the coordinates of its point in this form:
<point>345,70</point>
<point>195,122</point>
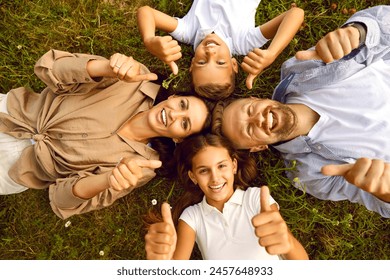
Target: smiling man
<point>333,118</point>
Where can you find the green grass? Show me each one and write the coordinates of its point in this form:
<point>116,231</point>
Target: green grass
<point>28,227</point>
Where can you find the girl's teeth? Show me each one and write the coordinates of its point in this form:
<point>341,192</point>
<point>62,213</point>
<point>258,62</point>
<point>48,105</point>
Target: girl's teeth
<point>217,187</point>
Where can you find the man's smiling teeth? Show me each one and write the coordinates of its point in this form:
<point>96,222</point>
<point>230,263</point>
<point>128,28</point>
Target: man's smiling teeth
<point>270,120</point>
<point>217,186</point>
<point>164,117</point>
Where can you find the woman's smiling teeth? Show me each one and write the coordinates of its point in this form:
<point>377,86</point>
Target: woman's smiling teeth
<point>164,117</point>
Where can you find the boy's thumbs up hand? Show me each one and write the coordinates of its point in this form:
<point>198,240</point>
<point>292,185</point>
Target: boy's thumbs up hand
<point>160,241</point>
<point>270,227</point>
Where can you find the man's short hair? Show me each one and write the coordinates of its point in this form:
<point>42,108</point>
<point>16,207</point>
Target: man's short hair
<point>214,91</point>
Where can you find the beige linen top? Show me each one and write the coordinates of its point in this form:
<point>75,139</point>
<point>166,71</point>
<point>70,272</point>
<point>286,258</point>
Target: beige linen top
<point>74,122</point>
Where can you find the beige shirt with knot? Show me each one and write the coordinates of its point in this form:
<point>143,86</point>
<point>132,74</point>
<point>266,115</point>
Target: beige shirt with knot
<point>74,123</point>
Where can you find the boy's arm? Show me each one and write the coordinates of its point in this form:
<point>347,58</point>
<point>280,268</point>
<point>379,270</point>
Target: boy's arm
<point>163,47</point>
<point>281,30</point>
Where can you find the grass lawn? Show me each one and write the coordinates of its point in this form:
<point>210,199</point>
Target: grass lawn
<point>28,227</point>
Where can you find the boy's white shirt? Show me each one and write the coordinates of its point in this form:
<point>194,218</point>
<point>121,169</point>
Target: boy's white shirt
<point>232,20</point>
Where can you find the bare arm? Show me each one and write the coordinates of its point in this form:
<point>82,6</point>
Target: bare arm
<point>121,66</point>
<point>185,241</point>
<point>165,48</point>
<point>281,30</point>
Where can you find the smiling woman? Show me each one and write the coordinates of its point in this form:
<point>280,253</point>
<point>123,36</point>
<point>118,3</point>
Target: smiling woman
<point>88,138</point>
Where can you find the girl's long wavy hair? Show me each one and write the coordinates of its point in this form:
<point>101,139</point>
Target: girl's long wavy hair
<point>188,149</point>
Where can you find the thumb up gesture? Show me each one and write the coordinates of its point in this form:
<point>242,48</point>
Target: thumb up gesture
<point>160,241</point>
<point>270,227</point>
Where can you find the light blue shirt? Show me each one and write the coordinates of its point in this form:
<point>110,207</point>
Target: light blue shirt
<point>352,97</point>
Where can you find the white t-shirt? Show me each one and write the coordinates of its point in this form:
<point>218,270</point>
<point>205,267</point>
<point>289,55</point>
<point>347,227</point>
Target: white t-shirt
<point>230,234</point>
<point>232,20</point>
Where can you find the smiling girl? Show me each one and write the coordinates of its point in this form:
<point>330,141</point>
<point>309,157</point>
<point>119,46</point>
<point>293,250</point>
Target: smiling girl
<point>222,215</point>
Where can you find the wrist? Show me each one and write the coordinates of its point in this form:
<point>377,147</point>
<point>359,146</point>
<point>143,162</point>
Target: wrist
<point>361,29</point>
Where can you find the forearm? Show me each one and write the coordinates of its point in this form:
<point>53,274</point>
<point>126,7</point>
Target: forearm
<point>282,29</point>
<point>297,251</point>
<point>91,186</point>
<point>150,19</point>
<point>100,68</point>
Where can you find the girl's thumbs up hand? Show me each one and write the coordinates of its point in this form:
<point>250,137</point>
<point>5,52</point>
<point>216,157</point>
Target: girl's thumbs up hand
<point>270,227</point>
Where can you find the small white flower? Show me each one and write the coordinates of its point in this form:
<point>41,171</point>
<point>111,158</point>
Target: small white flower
<point>68,223</point>
<point>101,253</point>
<point>19,47</point>
<point>154,202</point>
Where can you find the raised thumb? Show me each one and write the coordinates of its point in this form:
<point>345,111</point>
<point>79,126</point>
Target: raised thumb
<point>336,169</point>
<point>307,55</point>
<point>264,199</point>
<point>174,67</point>
<point>166,213</point>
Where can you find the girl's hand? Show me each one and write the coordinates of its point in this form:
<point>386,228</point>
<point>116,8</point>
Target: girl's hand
<point>270,227</point>
<point>128,172</point>
<point>160,241</point>
<point>128,69</point>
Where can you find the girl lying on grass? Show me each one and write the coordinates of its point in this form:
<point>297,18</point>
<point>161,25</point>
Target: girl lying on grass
<point>221,214</point>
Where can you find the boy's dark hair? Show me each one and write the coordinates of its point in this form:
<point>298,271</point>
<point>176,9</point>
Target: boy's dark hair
<point>214,91</point>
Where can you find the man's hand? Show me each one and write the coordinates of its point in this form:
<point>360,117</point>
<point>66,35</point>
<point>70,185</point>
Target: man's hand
<point>255,62</point>
<point>333,46</point>
<point>128,172</point>
<point>128,69</point>
<point>370,175</point>
<point>160,241</point>
<point>166,49</point>
<point>270,227</point>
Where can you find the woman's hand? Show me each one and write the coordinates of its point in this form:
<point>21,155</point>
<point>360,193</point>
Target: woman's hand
<point>127,69</point>
<point>128,172</point>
